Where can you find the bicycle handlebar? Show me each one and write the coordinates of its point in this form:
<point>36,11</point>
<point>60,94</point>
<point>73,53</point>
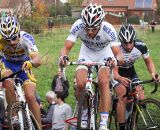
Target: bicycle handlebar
<point>133,84</point>
<point>88,63</point>
<point>12,75</point>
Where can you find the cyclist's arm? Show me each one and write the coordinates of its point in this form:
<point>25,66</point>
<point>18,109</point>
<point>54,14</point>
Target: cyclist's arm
<point>117,53</point>
<point>67,47</point>
<point>35,59</point>
<point>116,74</point>
<point>124,80</point>
<point>150,66</point>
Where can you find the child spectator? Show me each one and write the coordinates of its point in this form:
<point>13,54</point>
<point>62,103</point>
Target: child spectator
<point>62,112</point>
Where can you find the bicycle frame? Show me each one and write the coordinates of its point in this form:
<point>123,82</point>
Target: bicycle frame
<point>135,103</point>
<point>20,105</point>
<point>21,98</point>
<point>89,88</point>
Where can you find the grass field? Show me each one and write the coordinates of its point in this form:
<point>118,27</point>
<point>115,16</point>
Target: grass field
<point>50,43</point>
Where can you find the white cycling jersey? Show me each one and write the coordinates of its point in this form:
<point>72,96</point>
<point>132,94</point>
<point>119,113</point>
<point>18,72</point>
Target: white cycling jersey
<point>140,49</point>
<point>106,35</point>
<point>24,47</point>
<point>127,69</point>
<point>97,49</point>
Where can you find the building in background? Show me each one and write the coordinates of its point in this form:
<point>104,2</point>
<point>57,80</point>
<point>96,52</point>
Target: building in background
<point>119,10</point>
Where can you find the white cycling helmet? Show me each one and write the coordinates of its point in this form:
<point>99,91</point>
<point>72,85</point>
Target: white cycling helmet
<point>9,27</point>
<point>127,34</point>
<point>93,15</point>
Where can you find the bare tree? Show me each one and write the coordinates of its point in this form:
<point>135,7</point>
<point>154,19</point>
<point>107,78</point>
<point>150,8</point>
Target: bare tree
<point>23,9</point>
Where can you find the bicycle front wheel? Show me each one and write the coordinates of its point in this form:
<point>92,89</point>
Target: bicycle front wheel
<point>86,104</point>
<point>148,118</point>
<point>21,121</point>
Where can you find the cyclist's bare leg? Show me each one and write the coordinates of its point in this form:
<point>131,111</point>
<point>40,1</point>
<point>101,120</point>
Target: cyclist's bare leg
<point>9,88</point>
<point>81,76</point>
<point>103,82</point>
<point>140,91</point>
<point>30,91</point>
<point>121,104</point>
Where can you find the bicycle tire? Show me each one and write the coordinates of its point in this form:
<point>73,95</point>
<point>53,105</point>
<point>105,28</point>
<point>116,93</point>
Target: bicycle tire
<point>15,108</point>
<point>85,102</point>
<point>150,109</point>
<point>112,119</point>
<point>35,125</point>
<point>96,107</point>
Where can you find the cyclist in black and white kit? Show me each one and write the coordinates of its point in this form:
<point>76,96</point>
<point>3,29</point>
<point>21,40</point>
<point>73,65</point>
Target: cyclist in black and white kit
<point>131,49</point>
<point>99,40</point>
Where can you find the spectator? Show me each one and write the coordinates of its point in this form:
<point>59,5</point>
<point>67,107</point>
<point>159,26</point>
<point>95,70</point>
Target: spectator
<point>50,24</point>
<point>153,23</point>
<point>62,112</point>
<point>2,107</point>
<point>60,84</point>
<point>2,112</point>
<point>50,97</point>
<point>39,100</point>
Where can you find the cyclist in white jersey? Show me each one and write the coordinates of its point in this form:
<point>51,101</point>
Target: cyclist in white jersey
<point>99,40</point>
<point>19,51</point>
<point>131,49</point>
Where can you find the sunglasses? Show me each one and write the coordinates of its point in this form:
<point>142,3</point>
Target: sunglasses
<point>91,28</point>
<point>12,39</point>
<point>126,43</point>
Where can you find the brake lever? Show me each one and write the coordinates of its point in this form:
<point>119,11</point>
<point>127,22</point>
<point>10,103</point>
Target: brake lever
<point>155,89</point>
<point>156,85</point>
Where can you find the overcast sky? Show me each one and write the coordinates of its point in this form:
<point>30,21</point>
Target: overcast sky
<point>64,1</point>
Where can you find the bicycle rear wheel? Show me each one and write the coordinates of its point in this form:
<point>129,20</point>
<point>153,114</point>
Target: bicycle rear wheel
<point>150,109</point>
<point>86,103</point>
<point>22,123</point>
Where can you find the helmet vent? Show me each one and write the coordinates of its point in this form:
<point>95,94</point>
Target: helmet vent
<point>93,15</point>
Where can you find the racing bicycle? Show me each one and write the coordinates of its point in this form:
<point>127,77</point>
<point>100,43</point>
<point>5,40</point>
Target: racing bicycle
<point>140,114</point>
<point>25,118</point>
<point>89,98</point>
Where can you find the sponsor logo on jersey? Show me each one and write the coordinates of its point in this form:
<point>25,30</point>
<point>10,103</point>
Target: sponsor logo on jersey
<point>16,52</point>
<point>81,60</point>
<point>29,37</point>
<point>110,33</point>
<point>95,45</point>
<point>98,37</point>
<point>76,28</point>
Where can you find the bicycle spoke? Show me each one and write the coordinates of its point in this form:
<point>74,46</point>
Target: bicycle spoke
<point>150,109</point>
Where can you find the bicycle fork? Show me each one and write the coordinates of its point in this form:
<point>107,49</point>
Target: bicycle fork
<point>93,120</point>
<point>24,106</point>
<point>144,120</point>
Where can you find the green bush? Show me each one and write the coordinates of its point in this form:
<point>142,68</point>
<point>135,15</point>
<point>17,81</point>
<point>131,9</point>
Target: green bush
<point>62,20</point>
<point>32,25</point>
<point>133,19</point>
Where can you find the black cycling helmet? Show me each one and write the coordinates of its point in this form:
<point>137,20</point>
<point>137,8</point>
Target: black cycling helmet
<point>127,34</point>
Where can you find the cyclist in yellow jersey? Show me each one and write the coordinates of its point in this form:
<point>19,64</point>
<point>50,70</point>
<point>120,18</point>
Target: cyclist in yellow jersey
<point>3,42</point>
<point>19,52</point>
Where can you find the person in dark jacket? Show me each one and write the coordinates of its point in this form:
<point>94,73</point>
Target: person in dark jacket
<point>60,84</point>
